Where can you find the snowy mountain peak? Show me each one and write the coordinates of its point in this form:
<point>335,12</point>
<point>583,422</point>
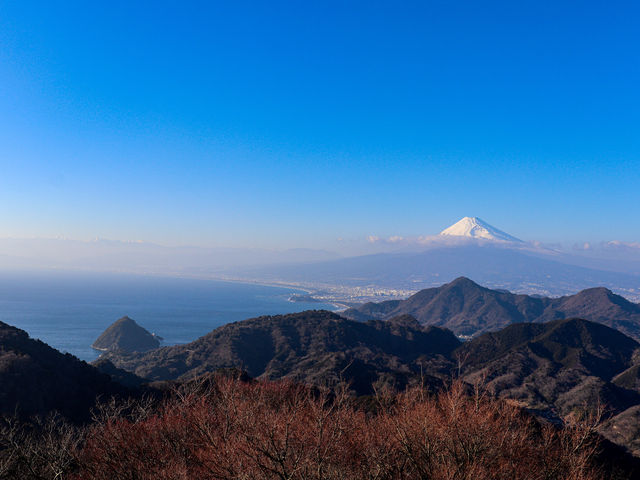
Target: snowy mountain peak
<point>474,227</point>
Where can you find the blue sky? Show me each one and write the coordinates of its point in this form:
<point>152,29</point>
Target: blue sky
<point>280,124</point>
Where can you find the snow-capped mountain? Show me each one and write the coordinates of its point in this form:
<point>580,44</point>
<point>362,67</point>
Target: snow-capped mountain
<point>474,227</point>
<point>470,248</point>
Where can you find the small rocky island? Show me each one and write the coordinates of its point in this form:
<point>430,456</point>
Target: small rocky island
<point>125,335</point>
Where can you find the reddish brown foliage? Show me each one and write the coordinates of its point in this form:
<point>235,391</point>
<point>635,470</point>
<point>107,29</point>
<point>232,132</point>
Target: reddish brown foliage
<point>283,431</point>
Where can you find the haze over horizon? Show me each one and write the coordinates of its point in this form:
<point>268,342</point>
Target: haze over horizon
<point>281,126</point>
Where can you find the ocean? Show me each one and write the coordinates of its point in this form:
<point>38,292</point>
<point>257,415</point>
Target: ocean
<point>69,311</point>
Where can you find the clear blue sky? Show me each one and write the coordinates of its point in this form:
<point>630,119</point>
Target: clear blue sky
<point>294,123</point>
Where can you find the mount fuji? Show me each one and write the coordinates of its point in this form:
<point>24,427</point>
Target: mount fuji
<point>474,227</point>
<point>471,248</point>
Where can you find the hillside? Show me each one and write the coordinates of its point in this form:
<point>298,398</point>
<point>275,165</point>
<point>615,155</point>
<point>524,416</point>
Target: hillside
<point>37,379</point>
<point>469,309</point>
<point>558,365</point>
<point>561,367</point>
<point>312,346</point>
<point>550,368</point>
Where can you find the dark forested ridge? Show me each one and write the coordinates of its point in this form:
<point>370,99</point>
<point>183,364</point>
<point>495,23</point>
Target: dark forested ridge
<point>558,368</point>
<point>313,347</point>
<point>466,308</point>
<point>37,379</point>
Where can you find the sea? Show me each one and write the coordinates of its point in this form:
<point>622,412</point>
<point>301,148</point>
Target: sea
<point>69,311</point>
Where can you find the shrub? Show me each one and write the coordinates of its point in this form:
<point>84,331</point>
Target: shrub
<point>279,430</point>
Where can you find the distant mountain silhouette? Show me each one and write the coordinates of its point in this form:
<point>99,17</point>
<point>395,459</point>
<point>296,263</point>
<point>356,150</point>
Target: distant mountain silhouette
<point>36,379</point>
<point>467,308</point>
<point>313,346</point>
<point>126,335</point>
<point>511,265</point>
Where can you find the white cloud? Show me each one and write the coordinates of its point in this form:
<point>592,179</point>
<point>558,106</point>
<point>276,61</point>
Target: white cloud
<point>619,244</point>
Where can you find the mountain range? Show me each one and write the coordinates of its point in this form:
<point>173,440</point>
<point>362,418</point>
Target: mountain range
<point>554,368</point>
<point>468,309</point>
<point>527,349</point>
<point>311,347</point>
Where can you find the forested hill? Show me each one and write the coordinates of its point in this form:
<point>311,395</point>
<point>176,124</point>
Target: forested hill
<point>469,309</point>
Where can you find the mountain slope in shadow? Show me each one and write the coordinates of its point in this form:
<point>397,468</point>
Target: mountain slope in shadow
<point>36,379</point>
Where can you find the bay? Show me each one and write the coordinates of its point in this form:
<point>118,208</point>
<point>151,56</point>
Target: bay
<point>69,311</point>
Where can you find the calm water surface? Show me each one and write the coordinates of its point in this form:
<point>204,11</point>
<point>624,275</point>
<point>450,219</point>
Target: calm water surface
<point>69,311</point>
